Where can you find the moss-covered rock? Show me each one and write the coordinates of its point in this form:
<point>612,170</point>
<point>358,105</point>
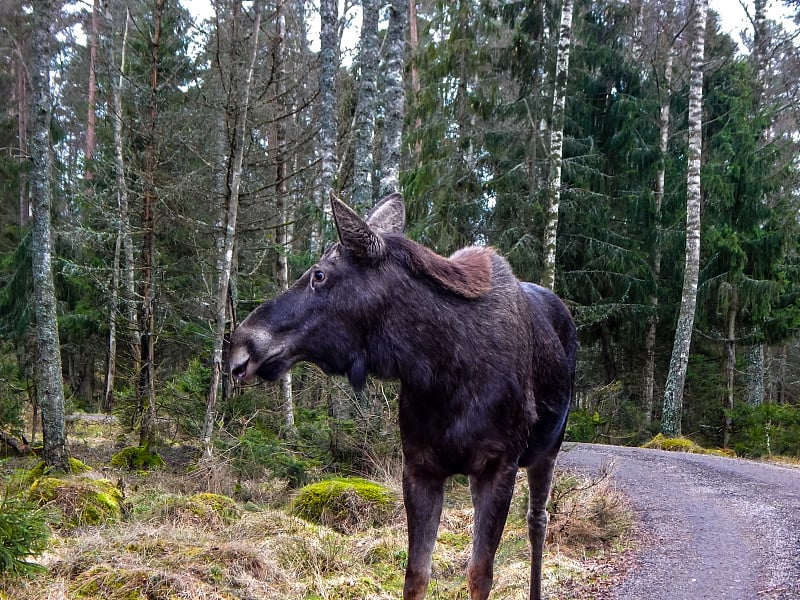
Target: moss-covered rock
<point>77,501</point>
<point>136,458</point>
<point>345,504</point>
<point>209,511</point>
<point>681,444</point>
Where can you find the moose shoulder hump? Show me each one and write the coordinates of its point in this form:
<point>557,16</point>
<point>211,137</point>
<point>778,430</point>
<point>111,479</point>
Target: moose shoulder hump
<point>467,273</point>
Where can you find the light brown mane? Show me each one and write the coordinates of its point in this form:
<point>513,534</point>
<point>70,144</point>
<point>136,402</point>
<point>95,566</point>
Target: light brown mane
<point>467,273</point>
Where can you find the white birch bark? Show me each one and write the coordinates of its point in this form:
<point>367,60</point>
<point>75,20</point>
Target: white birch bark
<point>676,378</point>
<point>47,373</point>
<point>556,145</point>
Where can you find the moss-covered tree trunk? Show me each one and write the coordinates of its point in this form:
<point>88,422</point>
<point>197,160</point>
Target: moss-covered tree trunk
<point>49,384</point>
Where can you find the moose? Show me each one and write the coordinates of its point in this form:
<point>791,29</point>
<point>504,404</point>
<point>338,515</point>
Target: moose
<point>486,366</point>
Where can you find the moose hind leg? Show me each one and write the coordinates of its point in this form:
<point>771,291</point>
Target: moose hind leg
<point>423,497</point>
<point>491,497</point>
<point>540,477</point>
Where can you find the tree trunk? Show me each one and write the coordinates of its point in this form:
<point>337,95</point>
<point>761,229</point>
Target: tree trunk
<point>123,266</point>
<point>146,311</point>
<point>329,60</point>
<point>556,145</point>
<point>238,104</point>
<point>365,110</point>
<point>49,385</point>
<point>756,375</point>
<point>22,128</point>
<point>730,367</point>
<point>283,232</point>
<point>676,378</point>
<point>91,127</point>
<point>394,98</point>
<point>652,321</point>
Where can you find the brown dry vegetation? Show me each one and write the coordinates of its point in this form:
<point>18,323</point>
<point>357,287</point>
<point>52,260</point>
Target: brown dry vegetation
<point>177,541</point>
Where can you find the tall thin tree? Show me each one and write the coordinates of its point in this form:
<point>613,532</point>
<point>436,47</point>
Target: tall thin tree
<point>676,378</point>
<point>365,109</point>
<point>394,97</point>
<point>147,395</point>
<point>238,103</point>
<point>556,145</point>
<point>49,384</point>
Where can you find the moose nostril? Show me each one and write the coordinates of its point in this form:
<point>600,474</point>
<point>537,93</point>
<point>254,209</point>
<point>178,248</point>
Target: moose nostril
<point>239,371</point>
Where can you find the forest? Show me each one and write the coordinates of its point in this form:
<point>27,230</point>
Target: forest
<point>164,173</point>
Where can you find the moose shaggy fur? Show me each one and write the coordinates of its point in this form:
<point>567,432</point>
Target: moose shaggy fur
<point>486,366</point>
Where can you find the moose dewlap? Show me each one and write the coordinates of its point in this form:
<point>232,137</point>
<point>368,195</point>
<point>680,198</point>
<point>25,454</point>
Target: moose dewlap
<point>486,366</point>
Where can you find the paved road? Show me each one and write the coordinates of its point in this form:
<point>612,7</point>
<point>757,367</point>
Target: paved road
<point>714,528</point>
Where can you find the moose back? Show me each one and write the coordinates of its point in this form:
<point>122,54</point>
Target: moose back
<point>486,367</point>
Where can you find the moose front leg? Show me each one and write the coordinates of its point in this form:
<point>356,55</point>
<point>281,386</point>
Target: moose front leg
<point>491,497</point>
<point>422,494</point>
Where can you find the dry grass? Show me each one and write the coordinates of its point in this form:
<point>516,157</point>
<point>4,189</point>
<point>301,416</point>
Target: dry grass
<point>168,548</point>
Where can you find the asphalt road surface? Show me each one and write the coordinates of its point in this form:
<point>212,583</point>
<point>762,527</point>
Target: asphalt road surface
<point>713,528</point>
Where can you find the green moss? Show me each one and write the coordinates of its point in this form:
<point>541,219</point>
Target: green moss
<point>345,504</point>
<point>77,501</point>
<point>204,510</point>
<point>136,458</point>
<point>660,442</point>
<point>222,506</point>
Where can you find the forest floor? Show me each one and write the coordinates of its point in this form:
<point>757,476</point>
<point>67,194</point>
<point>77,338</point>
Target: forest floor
<point>711,527</point>
<point>160,550</point>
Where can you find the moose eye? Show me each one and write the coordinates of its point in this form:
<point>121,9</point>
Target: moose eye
<point>318,276</point>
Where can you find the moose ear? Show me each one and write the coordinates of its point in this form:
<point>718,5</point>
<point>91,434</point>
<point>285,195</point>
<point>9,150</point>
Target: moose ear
<point>354,232</point>
<point>388,215</point>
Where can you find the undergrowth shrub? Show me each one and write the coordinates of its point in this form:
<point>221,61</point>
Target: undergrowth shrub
<point>765,430</point>
<point>136,458</point>
<point>23,534</point>
<point>345,504</point>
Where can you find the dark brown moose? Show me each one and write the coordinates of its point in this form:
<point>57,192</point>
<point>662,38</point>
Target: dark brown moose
<point>486,367</point>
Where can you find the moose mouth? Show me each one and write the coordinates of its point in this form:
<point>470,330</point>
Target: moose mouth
<point>270,368</point>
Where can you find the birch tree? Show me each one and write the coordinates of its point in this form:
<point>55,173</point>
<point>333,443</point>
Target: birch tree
<point>556,145</point>
<point>676,377</point>
<point>238,85</point>
<point>47,373</point>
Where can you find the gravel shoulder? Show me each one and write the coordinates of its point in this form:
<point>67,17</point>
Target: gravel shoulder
<point>712,527</point>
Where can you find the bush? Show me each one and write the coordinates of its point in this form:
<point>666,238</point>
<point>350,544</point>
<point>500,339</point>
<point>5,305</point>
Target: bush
<point>23,534</point>
<point>584,426</point>
<point>765,430</point>
<point>345,504</point>
<point>136,458</point>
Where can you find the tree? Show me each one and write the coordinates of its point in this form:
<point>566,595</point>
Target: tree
<point>673,389</point>
<point>238,86</point>
<point>364,130</point>
<point>394,98</point>
<point>556,145</point>
<point>49,386</point>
